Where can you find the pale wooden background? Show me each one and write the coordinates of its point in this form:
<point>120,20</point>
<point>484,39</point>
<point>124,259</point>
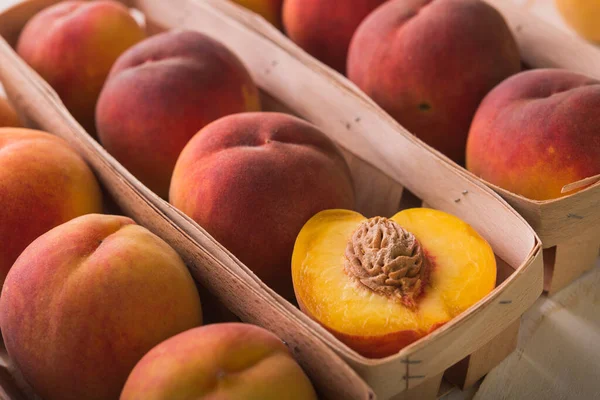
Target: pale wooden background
<point>559,344</point>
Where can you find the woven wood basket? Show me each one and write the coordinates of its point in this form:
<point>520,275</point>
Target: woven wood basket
<point>384,159</point>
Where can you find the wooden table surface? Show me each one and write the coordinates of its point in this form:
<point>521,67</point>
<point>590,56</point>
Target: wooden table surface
<point>558,354</point>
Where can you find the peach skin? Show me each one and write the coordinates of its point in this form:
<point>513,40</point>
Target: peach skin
<point>85,302</point>
<point>537,132</point>
<point>253,179</point>
<point>429,63</point>
<point>8,115</point>
<point>380,284</point>
<point>160,93</point>
<point>43,183</point>
<point>269,9</point>
<point>228,361</point>
<point>323,28</point>
<point>73,45</point>
<point>582,16</point>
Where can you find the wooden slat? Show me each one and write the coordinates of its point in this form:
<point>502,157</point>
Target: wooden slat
<point>569,260</point>
<point>427,390</point>
<point>474,367</point>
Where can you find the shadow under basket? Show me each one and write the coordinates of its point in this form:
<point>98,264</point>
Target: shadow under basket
<point>391,170</point>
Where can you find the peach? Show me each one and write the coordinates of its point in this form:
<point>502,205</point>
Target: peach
<point>253,179</point>
<point>582,16</point>
<point>269,9</point>
<point>86,301</point>
<point>220,361</point>
<point>160,93</point>
<point>429,63</point>
<point>380,284</point>
<point>8,115</point>
<point>324,28</point>
<point>537,132</point>
<point>73,45</point>
<point>43,183</point>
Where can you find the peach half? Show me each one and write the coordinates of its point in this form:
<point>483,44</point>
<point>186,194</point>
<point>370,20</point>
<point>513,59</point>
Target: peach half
<point>380,284</point>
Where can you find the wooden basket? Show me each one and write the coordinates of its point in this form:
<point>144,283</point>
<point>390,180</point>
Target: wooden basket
<point>383,157</point>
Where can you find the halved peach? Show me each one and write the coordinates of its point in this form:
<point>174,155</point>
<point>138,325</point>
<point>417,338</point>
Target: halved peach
<point>380,284</point>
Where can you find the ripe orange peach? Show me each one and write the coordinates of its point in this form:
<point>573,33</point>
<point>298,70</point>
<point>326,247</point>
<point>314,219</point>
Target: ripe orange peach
<point>43,183</point>
<point>73,45</point>
<point>537,132</point>
<point>86,301</point>
<point>324,28</point>
<point>429,63</point>
<point>219,361</point>
<point>160,93</point>
<point>269,9</point>
<point>253,179</point>
<point>8,115</point>
<point>380,284</point>
<point>582,16</point>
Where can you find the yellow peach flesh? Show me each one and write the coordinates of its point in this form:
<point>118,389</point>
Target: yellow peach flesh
<point>463,271</point>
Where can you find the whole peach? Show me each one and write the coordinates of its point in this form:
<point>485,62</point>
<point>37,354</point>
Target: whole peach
<point>222,361</point>
<point>86,301</point>
<point>253,179</point>
<point>73,45</point>
<point>537,132</point>
<point>160,93</point>
<point>324,28</point>
<point>429,63</point>
<point>8,115</point>
<point>43,183</point>
<point>269,9</point>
